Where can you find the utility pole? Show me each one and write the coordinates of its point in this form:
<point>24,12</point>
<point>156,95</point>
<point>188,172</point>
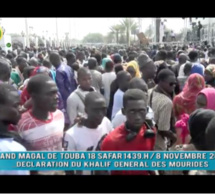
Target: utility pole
<point>27,35</point>
<point>57,44</point>
<point>157,24</point>
<point>70,35</point>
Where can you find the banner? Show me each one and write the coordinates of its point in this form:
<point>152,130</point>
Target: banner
<point>107,161</point>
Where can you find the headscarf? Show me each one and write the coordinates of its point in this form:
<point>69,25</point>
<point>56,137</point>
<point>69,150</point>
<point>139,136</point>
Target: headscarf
<point>116,57</point>
<point>210,97</point>
<point>104,61</point>
<point>185,102</point>
<point>40,69</point>
<point>211,69</point>
<point>136,68</point>
<point>198,123</point>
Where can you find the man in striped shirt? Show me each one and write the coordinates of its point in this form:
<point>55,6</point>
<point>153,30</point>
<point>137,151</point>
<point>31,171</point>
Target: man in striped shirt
<point>161,103</point>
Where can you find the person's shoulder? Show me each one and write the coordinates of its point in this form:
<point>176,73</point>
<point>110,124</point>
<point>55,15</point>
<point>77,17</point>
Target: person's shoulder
<point>18,147</point>
<point>11,145</point>
<point>58,114</point>
<point>119,113</point>
<point>164,100</point>
<point>113,137</point>
<point>28,122</point>
<point>25,117</point>
<point>73,94</point>
<point>97,73</point>
<point>105,120</point>
<point>75,131</point>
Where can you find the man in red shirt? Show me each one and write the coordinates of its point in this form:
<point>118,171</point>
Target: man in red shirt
<point>135,134</point>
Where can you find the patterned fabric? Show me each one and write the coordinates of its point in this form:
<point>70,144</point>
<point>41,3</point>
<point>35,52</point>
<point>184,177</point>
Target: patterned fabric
<point>185,102</point>
<point>162,107</point>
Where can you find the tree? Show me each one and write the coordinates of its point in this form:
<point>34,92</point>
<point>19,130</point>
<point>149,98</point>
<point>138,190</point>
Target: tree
<point>93,38</point>
<point>110,37</point>
<point>134,29</point>
<point>149,31</point>
<point>15,35</point>
<point>41,42</point>
<point>128,23</point>
<point>116,29</point>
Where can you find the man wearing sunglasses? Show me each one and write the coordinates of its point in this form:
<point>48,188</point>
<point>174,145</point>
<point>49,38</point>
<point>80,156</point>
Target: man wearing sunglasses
<point>161,103</point>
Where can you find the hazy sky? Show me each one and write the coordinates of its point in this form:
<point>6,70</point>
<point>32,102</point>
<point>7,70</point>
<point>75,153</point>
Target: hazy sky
<point>79,26</point>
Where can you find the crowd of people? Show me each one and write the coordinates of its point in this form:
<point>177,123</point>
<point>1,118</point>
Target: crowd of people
<point>107,99</point>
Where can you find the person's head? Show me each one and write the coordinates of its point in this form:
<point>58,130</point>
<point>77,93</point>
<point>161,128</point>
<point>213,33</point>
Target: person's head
<point>167,80</point>
<point>118,68</point>
<point>47,64</point>
<point>135,107</point>
<point>187,69</point>
<point>55,59</point>
<point>31,54</point>
<point>180,52</point>
<point>132,71</point>
<point>170,55</point>
<point>212,52</point>
<point>182,58</point>
<point>71,58</point>
<point>62,53</point>
<point>33,62</point>
<point>75,66</point>
<point>161,55</point>
<point>132,56</point>
<point>147,66</point>
<point>5,70</point>
<point>109,66</point>
<point>80,56</point>
<point>138,83</point>
<point>123,79</point>
<point>193,55</point>
<point>84,78</point>
<point>44,92</point>
<point>95,108</point>
<point>212,60</point>
<point>9,56</point>
<point>92,63</point>
<point>198,123</point>
<point>28,71</point>
<point>195,83</point>
<point>210,135</point>
<point>104,55</point>
<point>14,54</point>
<point>9,98</point>
<point>3,53</point>
<point>22,63</point>
<point>98,57</point>
<point>24,55</point>
<point>210,73</point>
<point>205,99</point>
<point>117,58</point>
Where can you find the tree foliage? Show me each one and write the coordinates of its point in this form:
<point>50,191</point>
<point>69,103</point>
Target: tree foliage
<point>93,38</point>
